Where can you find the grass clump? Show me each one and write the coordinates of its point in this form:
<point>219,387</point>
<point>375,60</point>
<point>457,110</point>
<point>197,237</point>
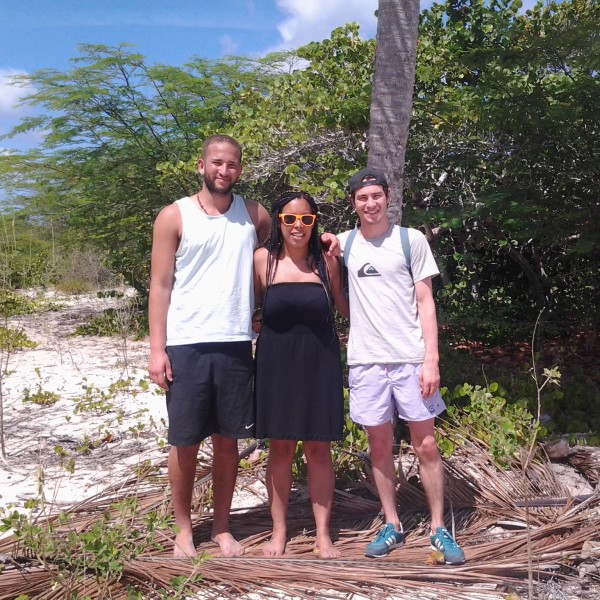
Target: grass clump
<point>14,304</point>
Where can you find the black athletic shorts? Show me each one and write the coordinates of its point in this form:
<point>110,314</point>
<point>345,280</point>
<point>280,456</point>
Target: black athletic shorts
<point>211,392</point>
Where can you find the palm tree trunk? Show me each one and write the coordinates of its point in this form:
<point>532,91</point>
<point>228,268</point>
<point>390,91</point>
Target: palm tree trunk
<point>391,100</point>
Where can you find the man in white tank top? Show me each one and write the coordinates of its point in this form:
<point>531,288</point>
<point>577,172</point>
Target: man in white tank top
<point>199,312</point>
<point>393,355</point>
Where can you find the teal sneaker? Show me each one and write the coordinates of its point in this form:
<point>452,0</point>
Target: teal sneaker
<point>442,540</point>
<point>384,541</point>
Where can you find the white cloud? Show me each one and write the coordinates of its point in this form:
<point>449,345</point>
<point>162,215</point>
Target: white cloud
<point>314,20</point>
<point>228,45</point>
<point>11,113</point>
<point>10,95</point>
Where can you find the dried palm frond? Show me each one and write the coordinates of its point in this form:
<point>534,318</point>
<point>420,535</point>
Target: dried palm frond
<point>481,496</point>
<point>587,462</point>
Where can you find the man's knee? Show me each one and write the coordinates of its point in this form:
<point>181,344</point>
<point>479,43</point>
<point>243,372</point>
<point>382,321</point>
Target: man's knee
<point>224,446</point>
<point>427,449</point>
<point>380,441</point>
<point>184,453</point>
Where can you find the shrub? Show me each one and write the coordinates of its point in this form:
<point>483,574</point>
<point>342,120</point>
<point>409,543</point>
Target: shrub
<point>487,416</point>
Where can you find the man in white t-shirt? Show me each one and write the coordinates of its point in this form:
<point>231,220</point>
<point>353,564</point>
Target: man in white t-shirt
<point>393,355</point>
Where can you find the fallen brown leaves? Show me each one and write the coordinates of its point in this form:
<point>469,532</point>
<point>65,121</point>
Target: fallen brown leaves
<point>482,498</point>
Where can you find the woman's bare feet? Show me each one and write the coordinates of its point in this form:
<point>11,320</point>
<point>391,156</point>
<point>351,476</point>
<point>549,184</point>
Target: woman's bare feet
<point>184,545</point>
<point>228,544</point>
<point>276,545</point>
<point>325,549</point>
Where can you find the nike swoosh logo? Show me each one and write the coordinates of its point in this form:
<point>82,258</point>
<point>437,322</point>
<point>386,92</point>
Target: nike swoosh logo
<point>368,270</point>
<point>249,426</point>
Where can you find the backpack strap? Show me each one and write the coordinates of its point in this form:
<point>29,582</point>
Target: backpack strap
<point>348,245</point>
<point>405,248</point>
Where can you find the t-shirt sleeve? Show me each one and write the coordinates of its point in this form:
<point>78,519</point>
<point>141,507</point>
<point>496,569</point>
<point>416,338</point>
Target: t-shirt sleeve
<point>422,262</point>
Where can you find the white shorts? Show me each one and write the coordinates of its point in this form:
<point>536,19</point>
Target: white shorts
<point>377,390</point>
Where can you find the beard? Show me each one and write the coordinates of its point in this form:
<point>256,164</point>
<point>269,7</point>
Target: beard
<point>211,185</point>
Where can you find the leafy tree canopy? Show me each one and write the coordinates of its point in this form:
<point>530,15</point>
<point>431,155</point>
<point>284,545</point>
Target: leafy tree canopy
<point>502,154</point>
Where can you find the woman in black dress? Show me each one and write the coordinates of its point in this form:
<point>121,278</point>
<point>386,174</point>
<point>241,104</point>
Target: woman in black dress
<point>299,390</point>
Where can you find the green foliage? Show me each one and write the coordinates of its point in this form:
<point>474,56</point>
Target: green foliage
<point>574,407</point>
<point>179,585</point>
<point>103,548</point>
<point>350,454</point>
<point>66,460</point>
<point>12,339</point>
<point>127,319</point>
<point>503,157</point>
<point>40,396</point>
<point>299,466</point>
<point>308,130</point>
<point>99,401</point>
<point>487,416</point>
<point>26,253</point>
<point>94,400</point>
<point>74,287</point>
<point>109,323</point>
<point>110,294</point>
<point>13,304</point>
<point>109,122</point>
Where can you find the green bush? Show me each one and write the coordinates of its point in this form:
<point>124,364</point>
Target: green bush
<point>40,397</point>
<point>572,407</point>
<point>103,548</point>
<point>484,414</point>
<point>13,304</point>
<point>12,339</point>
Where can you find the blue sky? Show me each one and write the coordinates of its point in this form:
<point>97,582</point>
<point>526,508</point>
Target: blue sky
<point>37,34</point>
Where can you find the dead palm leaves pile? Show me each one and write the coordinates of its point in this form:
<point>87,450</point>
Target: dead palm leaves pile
<point>511,525</point>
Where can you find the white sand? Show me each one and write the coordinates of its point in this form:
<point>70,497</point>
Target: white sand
<point>126,426</point>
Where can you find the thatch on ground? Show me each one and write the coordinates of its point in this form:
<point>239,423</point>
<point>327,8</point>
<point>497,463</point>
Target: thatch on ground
<point>511,525</point>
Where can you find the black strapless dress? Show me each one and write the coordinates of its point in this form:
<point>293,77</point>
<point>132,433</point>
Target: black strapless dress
<point>298,370</point>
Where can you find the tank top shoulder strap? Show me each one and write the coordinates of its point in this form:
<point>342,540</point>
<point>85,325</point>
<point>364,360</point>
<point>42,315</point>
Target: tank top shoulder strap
<point>186,207</point>
<point>238,208</point>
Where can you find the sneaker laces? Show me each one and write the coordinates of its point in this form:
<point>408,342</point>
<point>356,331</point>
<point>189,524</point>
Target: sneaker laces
<point>383,533</point>
<point>447,538</point>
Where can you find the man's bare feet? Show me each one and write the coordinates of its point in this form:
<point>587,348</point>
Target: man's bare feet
<point>276,545</point>
<point>325,549</point>
<point>228,544</point>
<point>184,545</point>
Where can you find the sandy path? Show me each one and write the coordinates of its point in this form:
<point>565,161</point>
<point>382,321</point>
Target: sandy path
<point>114,428</point>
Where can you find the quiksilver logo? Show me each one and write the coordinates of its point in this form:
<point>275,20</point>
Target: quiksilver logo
<point>368,270</point>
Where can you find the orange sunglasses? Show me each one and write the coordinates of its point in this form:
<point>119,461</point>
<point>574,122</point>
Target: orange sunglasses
<point>290,219</point>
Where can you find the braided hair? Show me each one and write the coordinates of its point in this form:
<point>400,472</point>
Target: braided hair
<point>274,244</point>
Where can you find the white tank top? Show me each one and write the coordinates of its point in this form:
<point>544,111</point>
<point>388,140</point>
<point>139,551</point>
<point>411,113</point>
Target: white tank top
<point>213,293</point>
